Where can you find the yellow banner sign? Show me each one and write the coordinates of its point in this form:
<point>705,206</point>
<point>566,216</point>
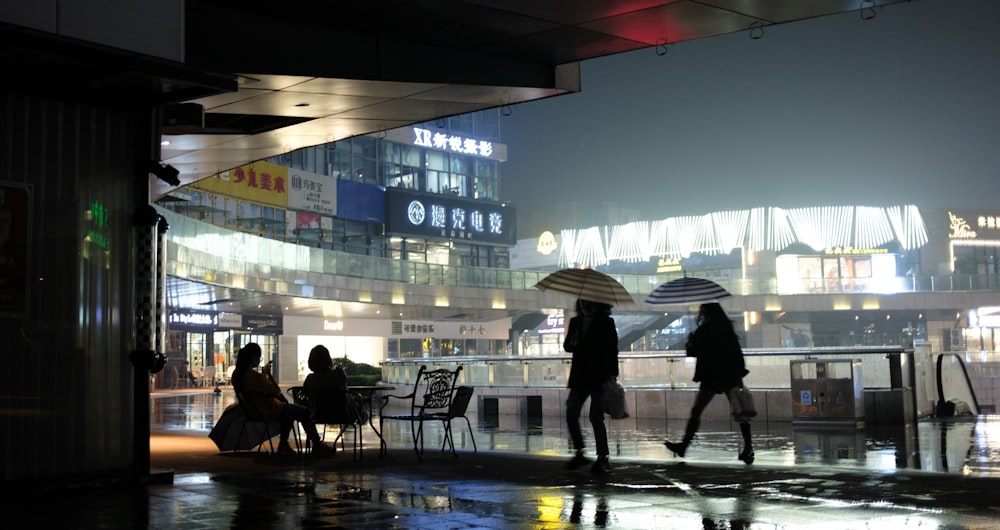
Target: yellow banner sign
<point>260,182</point>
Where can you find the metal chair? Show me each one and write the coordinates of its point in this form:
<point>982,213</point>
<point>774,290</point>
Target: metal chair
<point>459,406</point>
<point>330,408</point>
<point>256,421</point>
<point>430,400</point>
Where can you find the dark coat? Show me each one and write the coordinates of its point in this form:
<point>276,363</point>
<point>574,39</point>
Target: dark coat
<point>593,341</point>
<point>720,364</point>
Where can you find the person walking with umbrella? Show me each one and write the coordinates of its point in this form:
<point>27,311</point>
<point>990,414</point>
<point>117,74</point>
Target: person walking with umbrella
<point>592,338</point>
<point>719,368</point>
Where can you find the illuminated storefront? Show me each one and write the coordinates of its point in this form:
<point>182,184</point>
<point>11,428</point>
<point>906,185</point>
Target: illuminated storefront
<point>371,341</point>
<point>205,343</point>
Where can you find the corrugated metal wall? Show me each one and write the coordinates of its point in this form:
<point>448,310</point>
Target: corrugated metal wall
<point>66,405</point>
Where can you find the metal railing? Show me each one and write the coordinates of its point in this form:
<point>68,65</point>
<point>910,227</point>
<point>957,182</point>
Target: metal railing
<point>769,369</point>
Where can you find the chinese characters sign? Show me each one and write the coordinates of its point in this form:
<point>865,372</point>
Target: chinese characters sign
<point>450,218</point>
<point>451,142</point>
<point>310,192</point>
<point>260,182</point>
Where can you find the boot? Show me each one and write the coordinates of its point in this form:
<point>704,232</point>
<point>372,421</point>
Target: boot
<point>678,448</point>
<point>746,455</point>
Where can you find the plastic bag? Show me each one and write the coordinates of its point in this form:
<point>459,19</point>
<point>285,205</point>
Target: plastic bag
<point>614,400</point>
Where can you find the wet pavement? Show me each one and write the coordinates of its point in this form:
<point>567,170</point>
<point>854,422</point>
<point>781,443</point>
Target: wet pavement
<point>931,475</point>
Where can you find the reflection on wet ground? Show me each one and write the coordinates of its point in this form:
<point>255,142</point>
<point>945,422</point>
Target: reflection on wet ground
<point>969,448</point>
<point>924,477</point>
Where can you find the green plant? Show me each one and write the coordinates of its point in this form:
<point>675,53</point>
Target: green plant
<point>359,373</point>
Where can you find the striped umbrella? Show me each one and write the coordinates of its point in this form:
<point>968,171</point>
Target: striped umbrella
<point>587,284</point>
<point>687,291</point>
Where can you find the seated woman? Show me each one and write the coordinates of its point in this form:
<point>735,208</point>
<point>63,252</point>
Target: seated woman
<point>260,391</point>
<point>325,379</point>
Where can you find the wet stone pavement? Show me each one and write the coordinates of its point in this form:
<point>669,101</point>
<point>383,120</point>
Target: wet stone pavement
<point>929,476</point>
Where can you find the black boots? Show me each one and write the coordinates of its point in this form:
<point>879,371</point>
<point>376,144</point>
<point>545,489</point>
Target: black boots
<point>677,448</point>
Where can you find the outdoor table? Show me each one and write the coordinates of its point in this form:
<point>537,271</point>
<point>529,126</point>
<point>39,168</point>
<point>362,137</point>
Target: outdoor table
<point>368,391</point>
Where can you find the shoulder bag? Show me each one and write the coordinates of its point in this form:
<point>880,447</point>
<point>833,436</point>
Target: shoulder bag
<point>741,403</point>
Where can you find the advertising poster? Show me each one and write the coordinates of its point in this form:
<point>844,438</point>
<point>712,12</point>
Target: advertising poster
<point>311,192</point>
<point>259,182</point>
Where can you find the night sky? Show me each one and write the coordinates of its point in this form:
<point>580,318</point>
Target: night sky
<point>899,109</point>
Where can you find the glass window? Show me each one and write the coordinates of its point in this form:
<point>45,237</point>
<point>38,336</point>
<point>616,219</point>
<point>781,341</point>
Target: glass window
<point>435,160</point>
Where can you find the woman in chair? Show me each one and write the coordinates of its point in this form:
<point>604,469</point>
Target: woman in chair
<point>325,378</point>
<point>259,390</point>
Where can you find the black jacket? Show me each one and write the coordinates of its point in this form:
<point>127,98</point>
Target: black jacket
<point>720,364</point>
<point>593,340</point>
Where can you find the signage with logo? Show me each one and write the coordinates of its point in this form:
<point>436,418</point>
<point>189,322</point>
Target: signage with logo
<point>546,243</point>
<point>230,320</point>
<point>262,324</point>
<point>310,192</point>
<point>440,216</point>
<point>552,325</point>
<point>959,228</point>
<point>973,225</point>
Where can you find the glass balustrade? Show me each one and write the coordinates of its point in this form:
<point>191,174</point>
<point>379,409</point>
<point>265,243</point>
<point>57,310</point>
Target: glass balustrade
<point>201,250</point>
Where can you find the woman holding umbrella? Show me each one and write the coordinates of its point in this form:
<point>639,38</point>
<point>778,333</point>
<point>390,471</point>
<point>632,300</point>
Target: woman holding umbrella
<point>719,368</point>
<point>592,338</point>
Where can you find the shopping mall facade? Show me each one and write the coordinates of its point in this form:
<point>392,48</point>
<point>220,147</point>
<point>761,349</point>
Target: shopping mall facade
<point>408,221</point>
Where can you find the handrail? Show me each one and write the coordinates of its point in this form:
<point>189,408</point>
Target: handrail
<point>769,368</point>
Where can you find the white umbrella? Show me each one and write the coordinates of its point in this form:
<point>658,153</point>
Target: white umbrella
<point>587,284</point>
<point>687,291</point>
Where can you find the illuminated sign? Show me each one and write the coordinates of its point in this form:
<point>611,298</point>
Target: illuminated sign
<point>100,221</point>
<point>669,265</point>
<point>193,319</point>
<point>552,325</point>
<point>452,142</point>
<point>959,228</point>
<point>260,182</point>
<point>333,326</point>
<point>988,222</point>
<point>850,251</point>
<point>546,243</point>
<point>262,323</point>
<point>448,217</point>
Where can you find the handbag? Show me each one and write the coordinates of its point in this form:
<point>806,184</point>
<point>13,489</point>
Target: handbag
<point>741,403</point>
<point>614,400</point>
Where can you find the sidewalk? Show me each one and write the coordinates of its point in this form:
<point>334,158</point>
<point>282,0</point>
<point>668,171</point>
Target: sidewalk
<point>506,486</point>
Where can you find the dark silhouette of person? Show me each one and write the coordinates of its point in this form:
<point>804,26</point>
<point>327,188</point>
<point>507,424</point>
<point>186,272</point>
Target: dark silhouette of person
<point>264,394</point>
<point>719,368</point>
<point>189,374</point>
<point>326,379</point>
<point>592,338</point>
